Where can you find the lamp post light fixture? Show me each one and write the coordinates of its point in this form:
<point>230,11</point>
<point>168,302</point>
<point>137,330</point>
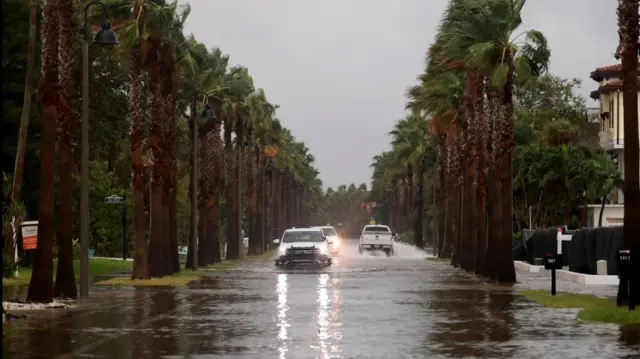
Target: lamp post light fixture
<point>105,36</point>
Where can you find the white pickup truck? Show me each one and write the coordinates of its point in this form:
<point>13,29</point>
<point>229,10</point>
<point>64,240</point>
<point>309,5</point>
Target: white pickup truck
<point>377,237</point>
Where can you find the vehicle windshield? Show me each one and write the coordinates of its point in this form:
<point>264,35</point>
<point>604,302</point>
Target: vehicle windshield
<point>376,229</point>
<point>302,236</point>
<point>330,231</point>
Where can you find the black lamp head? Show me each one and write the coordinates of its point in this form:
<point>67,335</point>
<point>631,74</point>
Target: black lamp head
<point>427,160</point>
<point>207,112</point>
<point>106,36</point>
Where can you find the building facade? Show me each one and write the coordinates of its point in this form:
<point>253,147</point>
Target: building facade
<point>609,94</point>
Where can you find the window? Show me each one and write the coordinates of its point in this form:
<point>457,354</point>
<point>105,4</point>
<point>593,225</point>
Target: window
<point>376,229</point>
<point>329,231</point>
<point>302,236</point>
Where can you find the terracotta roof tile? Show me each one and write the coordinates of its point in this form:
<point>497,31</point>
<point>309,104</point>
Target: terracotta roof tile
<point>617,82</point>
<point>612,68</point>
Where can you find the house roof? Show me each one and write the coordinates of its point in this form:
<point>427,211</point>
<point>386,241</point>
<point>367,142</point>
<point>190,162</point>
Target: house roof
<point>608,71</point>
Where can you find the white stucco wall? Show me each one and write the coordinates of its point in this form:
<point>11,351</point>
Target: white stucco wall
<point>613,215</point>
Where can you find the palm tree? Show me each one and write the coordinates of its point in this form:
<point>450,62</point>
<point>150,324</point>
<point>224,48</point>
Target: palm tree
<point>140,260</point>
<point>130,16</point>
<point>628,31</point>
<point>509,60</point>
<point>41,285</point>
<point>65,286</point>
<point>409,138</point>
<point>240,85</point>
<point>162,36</point>
<point>18,173</point>
<point>257,123</point>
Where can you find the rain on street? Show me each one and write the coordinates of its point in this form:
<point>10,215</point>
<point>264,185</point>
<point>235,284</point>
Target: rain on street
<point>367,306</point>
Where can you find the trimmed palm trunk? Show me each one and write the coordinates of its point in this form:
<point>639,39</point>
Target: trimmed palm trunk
<point>140,261</point>
<point>216,167</point>
<point>169,89</point>
<point>193,232</point>
<point>230,199</point>
<point>628,32</point>
<point>65,285</point>
<point>480,179</point>
<point>442,196</point>
<point>203,200</point>
<point>506,271</point>
<point>159,255</point>
<point>260,198</point>
<point>419,204</point>
<point>254,240</point>
<point>41,284</point>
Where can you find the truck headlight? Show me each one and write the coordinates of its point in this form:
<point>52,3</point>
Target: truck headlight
<point>282,251</point>
<point>323,250</point>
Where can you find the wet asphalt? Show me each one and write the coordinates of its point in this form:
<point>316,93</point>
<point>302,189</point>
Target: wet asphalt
<point>367,306</point>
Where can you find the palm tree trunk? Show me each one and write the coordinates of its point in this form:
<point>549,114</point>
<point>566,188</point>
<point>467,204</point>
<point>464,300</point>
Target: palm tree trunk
<point>41,285</point>
<point>216,167</point>
<point>159,254</point>
<point>254,239</point>
<point>65,284</point>
<point>18,172</point>
<point>419,201</point>
<point>170,86</point>
<point>506,269</point>
<point>480,178</point>
<point>628,31</point>
<point>230,183</point>
<point>268,201</point>
<point>140,264</point>
<point>259,218</point>
<point>604,202</point>
<point>203,199</point>
<point>193,215</point>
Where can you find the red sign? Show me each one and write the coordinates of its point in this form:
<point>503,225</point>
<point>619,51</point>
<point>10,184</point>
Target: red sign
<point>29,235</point>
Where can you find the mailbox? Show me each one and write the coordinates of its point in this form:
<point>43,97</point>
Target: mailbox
<point>552,261</point>
<point>624,262</point>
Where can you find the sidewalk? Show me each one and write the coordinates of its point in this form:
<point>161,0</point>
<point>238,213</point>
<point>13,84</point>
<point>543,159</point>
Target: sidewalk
<point>542,281</point>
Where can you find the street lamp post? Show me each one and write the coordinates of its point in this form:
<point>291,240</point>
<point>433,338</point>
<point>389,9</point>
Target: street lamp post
<point>105,36</point>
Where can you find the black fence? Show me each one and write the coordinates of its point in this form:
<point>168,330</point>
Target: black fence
<point>581,254</point>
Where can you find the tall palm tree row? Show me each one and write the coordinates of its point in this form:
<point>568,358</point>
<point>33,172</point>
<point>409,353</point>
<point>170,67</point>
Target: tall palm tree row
<point>463,109</point>
<point>171,78</point>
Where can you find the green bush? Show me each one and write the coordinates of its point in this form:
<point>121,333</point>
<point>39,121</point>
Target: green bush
<point>8,268</point>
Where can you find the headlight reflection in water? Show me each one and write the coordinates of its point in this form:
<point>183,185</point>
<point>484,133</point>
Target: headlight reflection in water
<point>283,308</point>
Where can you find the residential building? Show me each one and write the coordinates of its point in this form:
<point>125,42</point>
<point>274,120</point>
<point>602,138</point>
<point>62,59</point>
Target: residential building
<point>609,95</point>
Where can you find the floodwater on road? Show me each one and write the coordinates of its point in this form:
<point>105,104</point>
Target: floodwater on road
<point>367,306</point>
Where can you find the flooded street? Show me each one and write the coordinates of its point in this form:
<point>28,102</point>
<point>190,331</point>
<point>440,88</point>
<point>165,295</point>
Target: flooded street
<point>363,307</point>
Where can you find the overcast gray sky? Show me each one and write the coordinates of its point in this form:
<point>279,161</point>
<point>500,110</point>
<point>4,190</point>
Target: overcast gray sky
<point>339,68</point>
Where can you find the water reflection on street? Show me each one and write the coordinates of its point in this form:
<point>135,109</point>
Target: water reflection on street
<point>363,307</point>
